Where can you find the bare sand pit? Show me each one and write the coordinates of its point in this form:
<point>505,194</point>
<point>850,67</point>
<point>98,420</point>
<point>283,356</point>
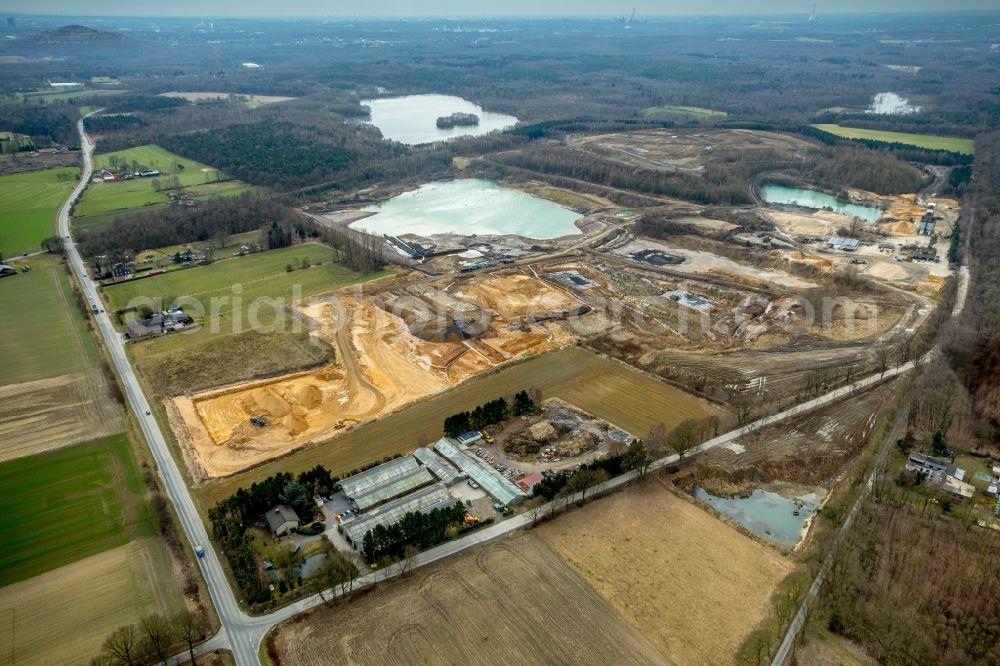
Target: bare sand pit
<point>706,263</point>
<point>512,602</point>
<point>819,223</point>
<point>887,271</point>
<point>381,365</point>
<point>692,584</point>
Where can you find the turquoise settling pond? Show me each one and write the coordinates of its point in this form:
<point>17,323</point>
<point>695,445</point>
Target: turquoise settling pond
<point>766,514</point>
<point>413,119</point>
<point>469,206</point>
<point>779,194</point>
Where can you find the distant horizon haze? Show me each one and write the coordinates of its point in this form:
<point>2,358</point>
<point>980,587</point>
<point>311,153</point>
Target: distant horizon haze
<point>455,8</point>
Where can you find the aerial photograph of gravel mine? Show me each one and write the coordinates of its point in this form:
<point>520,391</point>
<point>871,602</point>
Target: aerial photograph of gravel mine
<point>534,333</point>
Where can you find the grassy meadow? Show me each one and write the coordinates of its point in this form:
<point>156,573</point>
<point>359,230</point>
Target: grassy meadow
<point>195,178</point>
<point>928,141</point>
<point>62,506</point>
<point>43,333</point>
<point>29,204</point>
<point>257,275</point>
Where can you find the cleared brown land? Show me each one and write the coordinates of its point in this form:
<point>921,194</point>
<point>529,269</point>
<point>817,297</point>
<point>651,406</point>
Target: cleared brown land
<point>387,356</point>
<point>612,391</point>
<point>694,585</point>
<point>62,616</point>
<point>513,602</point>
<point>51,413</point>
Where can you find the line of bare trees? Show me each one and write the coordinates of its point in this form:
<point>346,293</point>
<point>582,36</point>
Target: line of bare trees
<point>153,640</point>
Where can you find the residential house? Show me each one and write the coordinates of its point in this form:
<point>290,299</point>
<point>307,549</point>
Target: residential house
<point>281,520</point>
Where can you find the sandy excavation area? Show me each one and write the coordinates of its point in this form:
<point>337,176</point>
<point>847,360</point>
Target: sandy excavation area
<point>391,349</point>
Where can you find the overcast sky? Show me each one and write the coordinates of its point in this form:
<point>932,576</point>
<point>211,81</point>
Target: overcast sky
<point>221,8</point>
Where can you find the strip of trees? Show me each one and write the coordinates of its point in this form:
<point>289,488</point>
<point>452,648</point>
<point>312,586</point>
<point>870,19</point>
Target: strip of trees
<point>495,411</point>
<point>415,530</point>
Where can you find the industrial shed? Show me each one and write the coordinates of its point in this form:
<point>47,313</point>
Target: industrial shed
<point>424,500</point>
<point>364,482</point>
<point>394,487</point>
<point>442,469</point>
<point>494,483</point>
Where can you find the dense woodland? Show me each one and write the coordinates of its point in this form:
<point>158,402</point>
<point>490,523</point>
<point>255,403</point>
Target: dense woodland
<point>46,124</point>
<point>916,587</point>
<point>176,225</point>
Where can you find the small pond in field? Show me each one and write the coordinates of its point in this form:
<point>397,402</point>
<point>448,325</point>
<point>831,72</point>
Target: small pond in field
<point>413,119</point>
<point>766,514</point>
<point>779,194</point>
<point>469,206</point>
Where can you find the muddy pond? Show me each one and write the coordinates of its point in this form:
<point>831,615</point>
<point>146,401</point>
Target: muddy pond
<point>768,515</point>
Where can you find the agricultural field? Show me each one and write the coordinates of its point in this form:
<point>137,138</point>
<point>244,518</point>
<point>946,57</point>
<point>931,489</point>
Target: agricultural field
<point>256,276</point>
<point>196,180</point>
<point>46,334</point>
<point>52,394</point>
<point>53,412</point>
<point>558,374</point>
<point>693,112</point>
<point>61,617</point>
<point>61,506</point>
<point>928,141</point>
<point>29,203</point>
<point>692,584</point>
<point>511,602</point>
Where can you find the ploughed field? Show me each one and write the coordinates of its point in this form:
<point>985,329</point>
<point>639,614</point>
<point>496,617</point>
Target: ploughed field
<point>513,602</point>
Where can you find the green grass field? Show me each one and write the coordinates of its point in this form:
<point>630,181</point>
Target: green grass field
<point>29,204</point>
<point>42,332</point>
<point>694,112</point>
<point>66,505</point>
<point>258,275</point>
<point>929,141</point>
<point>196,179</point>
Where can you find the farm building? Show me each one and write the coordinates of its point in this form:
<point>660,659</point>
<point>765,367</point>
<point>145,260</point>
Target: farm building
<point>469,438</point>
<point>440,467</point>
<point>394,487</point>
<point>494,483</point>
<point>6,270</point>
<point>363,482</point>
<point>844,244</point>
<point>281,520</point>
<point>527,483</point>
<point>158,324</point>
<point>424,500</point>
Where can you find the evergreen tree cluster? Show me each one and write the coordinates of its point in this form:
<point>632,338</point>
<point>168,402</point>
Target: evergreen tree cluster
<point>494,411</point>
<point>414,529</point>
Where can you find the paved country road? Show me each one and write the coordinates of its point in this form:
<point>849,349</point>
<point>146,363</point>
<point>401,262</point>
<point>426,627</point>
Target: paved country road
<point>242,633</point>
